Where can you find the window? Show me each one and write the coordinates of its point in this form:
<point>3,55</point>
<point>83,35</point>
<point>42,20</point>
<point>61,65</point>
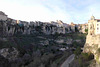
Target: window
<point>98,20</point>
<point>97,28</point>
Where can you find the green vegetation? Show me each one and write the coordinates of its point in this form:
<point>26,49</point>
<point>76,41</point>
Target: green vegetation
<point>99,50</point>
<point>97,57</point>
<point>76,44</point>
<point>46,55</point>
<point>5,44</point>
<point>39,29</point>
<point>80,62</point>
<point>86,30</point>
<point>87,56</point>
<point>60,60</point>
<point>76,36</point>
<point>76,29</point>
<point>66,29</point>
<point>77,52</point>
<point>84,60</point>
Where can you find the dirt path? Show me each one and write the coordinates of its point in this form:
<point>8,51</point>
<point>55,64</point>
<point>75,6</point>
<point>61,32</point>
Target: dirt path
<point>68,61</point>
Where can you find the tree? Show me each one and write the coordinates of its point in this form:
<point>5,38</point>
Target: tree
<point>66,29</point>
<point>99,50</point>
<point>77,52</point>
<point>87,56</point>
<point>86,30</point>
<point>76,29</point>
<point>39,29</point>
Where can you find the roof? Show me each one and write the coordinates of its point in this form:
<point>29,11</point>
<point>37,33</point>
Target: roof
<point>2,13</point>
<point>97,19</point>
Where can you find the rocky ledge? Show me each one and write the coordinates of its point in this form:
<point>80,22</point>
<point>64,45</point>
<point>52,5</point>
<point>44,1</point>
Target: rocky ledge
<point>92,45</point>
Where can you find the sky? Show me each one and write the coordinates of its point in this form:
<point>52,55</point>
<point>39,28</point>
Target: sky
<point>76,11</point>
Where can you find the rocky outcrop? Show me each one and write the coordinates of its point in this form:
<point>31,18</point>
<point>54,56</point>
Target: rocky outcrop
<point>92,45</point>
<point>4,62</point>
<point>9,53</point>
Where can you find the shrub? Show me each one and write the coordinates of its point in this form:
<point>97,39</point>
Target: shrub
<point>64,44</point>
<point>87,56</point>
<point>54,65</point>
<point>99,50</point>
<point>5,44</point>
<point>75,44</point>
<point>80,62</point>
<point>86,30</point>
<point>76,29</point>
<point>77,51</point>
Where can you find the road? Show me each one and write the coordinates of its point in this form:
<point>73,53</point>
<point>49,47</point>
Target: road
<point>68,61</point>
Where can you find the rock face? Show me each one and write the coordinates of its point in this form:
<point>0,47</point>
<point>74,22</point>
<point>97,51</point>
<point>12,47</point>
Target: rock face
<point>3,16</point>
<point>9,53</point>
<point>4,62</point>
<point>92,45</point>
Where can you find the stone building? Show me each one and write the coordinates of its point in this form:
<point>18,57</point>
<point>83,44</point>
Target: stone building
<point>93,26</point>
<point>59,23</point>
<point>84,28</point>
<point>3,16</point>
<point>72,26</point>
<point>12,26</point>
<point>92,44</point>
<point>49,28</point>
<point>3,20</point>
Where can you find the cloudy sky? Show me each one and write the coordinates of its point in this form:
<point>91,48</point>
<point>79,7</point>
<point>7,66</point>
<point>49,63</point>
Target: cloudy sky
<point>77,11</point>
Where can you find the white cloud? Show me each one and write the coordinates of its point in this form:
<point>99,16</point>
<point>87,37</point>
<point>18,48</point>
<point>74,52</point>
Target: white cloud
<point>77,11</point>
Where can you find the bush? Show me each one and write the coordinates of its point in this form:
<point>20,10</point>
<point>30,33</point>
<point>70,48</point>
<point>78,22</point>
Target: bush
<point>99,50</point>
<point>54,65</point>
<point>5,44</point>
<point>80,62</point>
<point>86,30</point>
<point>87,56</point>
<point>64,44</point>
<point>77,52</point>
<point>35,63</point>
<point>46,58</point>
<point>75,44</point>
<point>76,29</point>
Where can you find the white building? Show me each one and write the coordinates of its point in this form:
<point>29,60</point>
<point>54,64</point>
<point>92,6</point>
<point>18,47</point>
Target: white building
<point>93,26</point>
<point>59,23</point>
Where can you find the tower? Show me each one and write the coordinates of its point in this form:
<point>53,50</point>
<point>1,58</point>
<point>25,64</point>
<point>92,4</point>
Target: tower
<point>92,17</point>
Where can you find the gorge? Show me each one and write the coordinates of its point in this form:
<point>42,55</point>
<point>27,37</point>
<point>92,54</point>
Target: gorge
<point>25,44</point>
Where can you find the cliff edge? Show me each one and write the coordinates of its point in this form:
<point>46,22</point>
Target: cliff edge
<point>92,45</point>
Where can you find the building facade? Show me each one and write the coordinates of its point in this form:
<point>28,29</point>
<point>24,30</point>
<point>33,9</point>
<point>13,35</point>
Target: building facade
<point>93,26</point>
<point>3,16</point>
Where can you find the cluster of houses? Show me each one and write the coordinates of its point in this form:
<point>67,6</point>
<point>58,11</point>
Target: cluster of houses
<point>10,26</point>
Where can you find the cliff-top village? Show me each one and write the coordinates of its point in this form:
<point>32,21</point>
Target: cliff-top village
<point>55,37</point>
<point>49,33</point>
<point>12,26</point>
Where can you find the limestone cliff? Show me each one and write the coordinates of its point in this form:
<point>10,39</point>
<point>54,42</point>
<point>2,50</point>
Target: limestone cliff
<point>92,45</point>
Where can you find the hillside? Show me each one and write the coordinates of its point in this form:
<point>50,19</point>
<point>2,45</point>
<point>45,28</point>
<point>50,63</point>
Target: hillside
<point>31,50</point>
